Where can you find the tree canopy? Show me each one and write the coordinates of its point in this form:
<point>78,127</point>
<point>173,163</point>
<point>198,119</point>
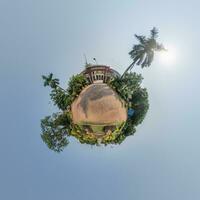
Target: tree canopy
<point>129,89</point>
<point>143,53</point>
<point>55,130</point>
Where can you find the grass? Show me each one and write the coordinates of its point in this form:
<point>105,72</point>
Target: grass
<point>97,129</point>
<point>100,124</point>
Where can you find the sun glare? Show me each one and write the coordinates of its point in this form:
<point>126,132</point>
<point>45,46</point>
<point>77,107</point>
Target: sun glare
<point>168,58</point>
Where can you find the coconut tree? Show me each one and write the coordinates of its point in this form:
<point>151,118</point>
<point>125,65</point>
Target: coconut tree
<point>143,53</point>
<point>50,81</point>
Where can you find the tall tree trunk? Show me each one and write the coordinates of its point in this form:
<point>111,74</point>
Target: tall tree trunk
<point>61,88</point>
<point>128,68</point>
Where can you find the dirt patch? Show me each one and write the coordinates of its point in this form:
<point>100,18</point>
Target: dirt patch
<point>98,104</point>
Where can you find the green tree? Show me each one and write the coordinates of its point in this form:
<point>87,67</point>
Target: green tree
<point>126,86</point>
<point>50,81</point>
<point>55,130</point>
<point>143,53</point>
<point>129,89</point>
<point>64,98</point>
<point>140,104</point>
<point>58,95</point>
<point>75,85</point>
<point>128,130</point>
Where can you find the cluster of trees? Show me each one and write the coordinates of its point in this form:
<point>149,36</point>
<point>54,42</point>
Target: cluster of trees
<point>136,98</point>
<point>128,85</point>
<point>63,98</point>
<point>56,128</point>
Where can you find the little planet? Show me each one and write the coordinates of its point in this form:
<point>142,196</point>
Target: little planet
<point>100,106</point>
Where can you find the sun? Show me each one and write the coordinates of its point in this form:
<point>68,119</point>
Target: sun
<point>168,58</point>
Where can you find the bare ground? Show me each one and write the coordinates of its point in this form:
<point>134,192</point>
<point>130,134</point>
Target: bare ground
<point>98,104</point>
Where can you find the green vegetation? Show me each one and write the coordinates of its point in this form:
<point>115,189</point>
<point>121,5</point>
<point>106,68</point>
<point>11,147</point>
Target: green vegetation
<point>83,135</point>
<point>130,90</point>
<point>57,128</point>
<point>143,53</point>
<point>127,85</point>
<point>64,98</point>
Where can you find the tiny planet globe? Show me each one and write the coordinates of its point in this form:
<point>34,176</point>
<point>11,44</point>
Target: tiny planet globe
<point>100,106</point>
<point>98,109</point>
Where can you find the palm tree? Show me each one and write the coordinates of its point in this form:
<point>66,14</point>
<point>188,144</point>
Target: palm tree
<point>52,82</point>
<point>143,53</point>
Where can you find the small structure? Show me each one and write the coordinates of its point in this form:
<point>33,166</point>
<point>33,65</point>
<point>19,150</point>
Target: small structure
<point>99,73</point>
<point>130,112</point>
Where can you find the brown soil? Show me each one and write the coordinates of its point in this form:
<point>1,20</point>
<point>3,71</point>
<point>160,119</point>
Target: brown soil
<point>98,104</point>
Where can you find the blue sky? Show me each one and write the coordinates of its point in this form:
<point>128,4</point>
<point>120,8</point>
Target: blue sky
<point>160,162</point>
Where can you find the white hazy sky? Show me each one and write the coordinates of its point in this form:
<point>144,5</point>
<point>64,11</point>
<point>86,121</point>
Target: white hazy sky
<point>40,36</point>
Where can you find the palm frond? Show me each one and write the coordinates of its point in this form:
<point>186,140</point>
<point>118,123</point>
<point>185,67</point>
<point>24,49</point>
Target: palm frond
<point>141,38</point>
<point>160,47</point>
<point>143,53</point>
<point>154,33</point>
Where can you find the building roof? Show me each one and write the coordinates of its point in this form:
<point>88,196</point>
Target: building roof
<point>99,67</point>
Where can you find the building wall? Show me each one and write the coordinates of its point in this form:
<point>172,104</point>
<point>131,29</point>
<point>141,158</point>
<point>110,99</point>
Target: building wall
<point>99,73</point>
